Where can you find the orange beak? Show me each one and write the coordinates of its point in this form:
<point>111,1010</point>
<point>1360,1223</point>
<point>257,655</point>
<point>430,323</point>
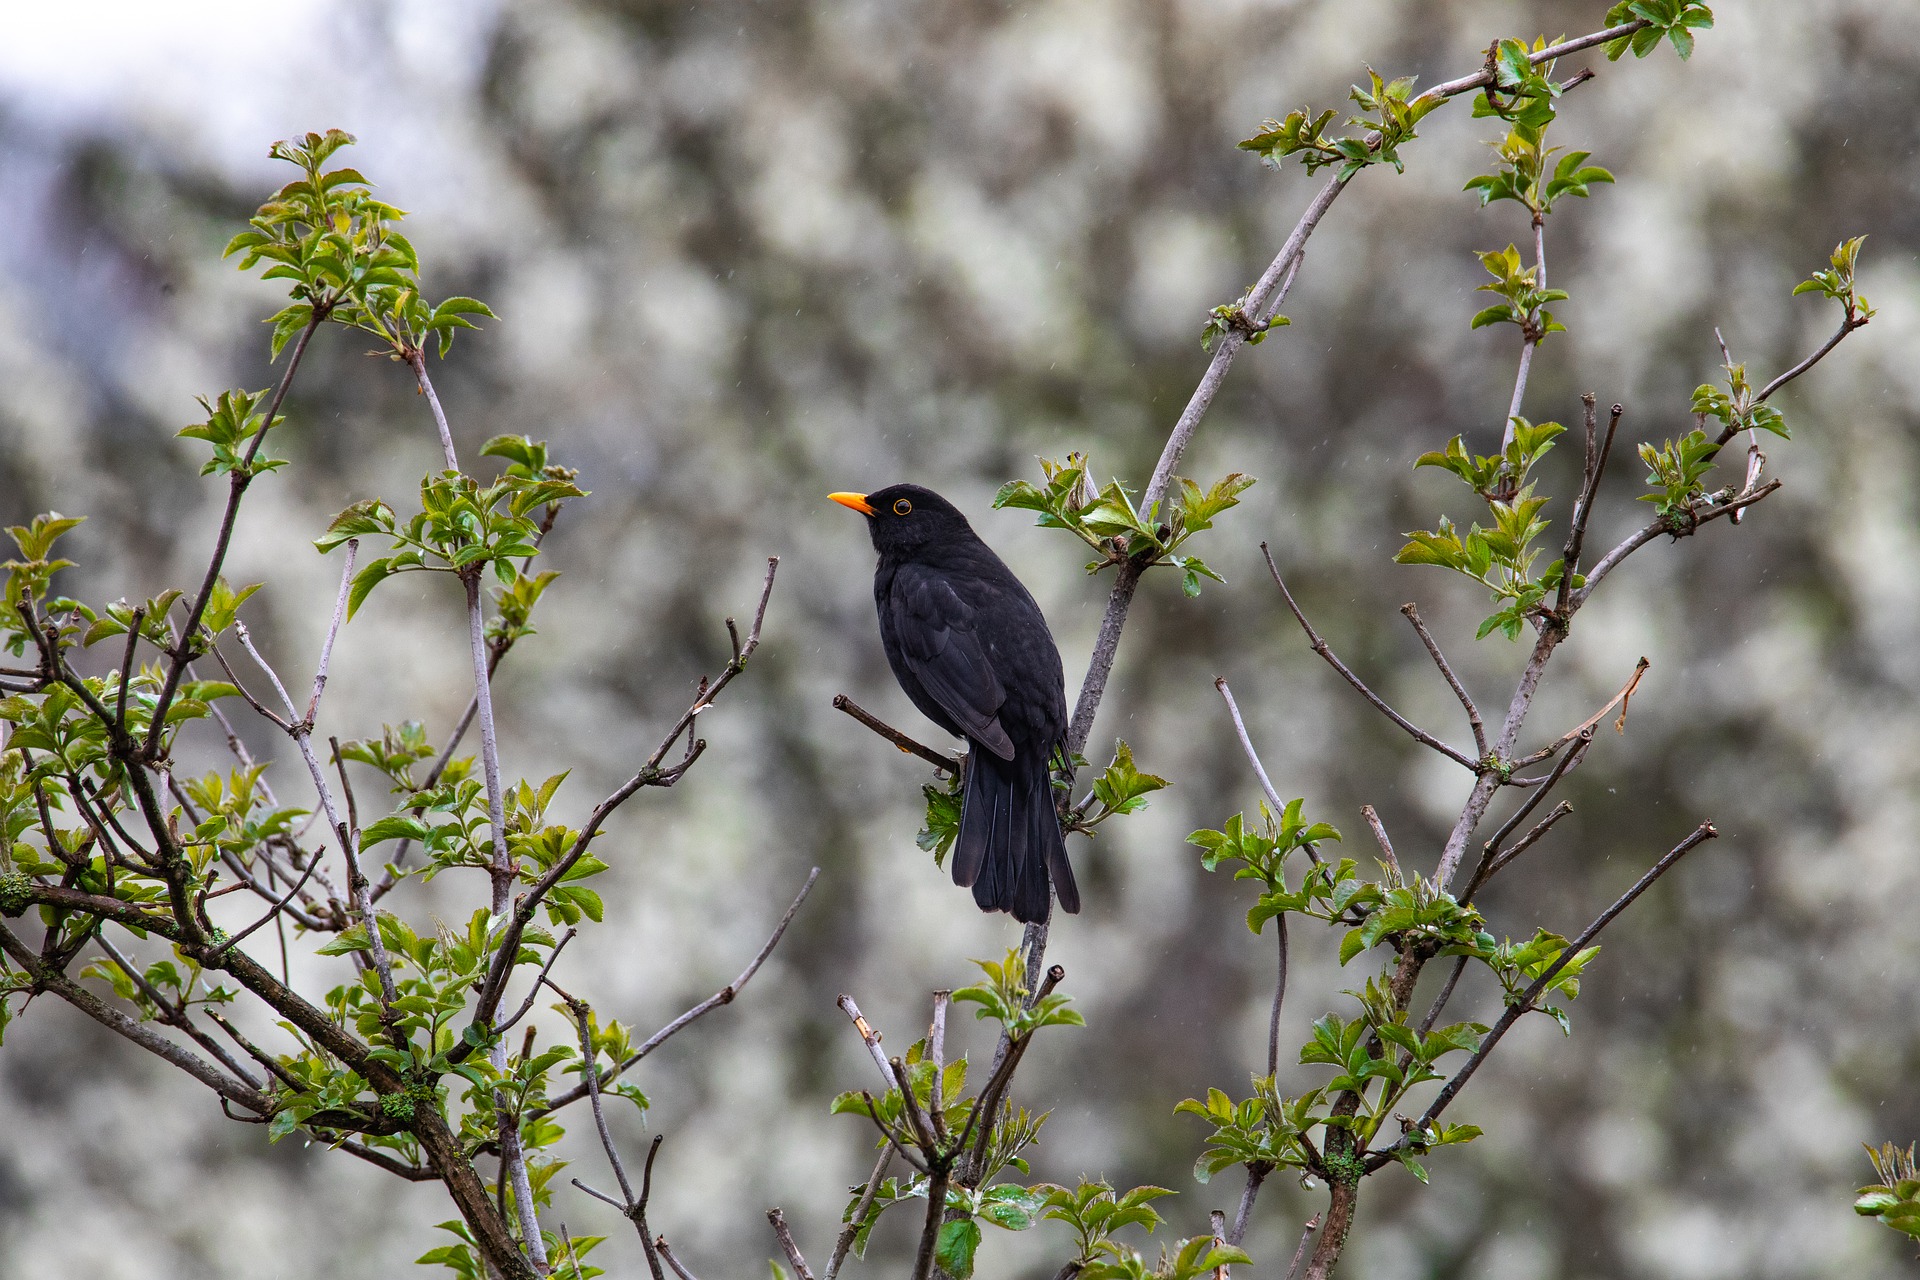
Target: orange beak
<point>858,501</point>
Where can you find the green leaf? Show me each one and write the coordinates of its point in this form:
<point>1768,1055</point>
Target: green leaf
<point>954,1248</point>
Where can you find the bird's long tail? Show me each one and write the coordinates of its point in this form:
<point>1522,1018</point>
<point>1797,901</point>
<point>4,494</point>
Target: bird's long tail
<point>1010,846</point>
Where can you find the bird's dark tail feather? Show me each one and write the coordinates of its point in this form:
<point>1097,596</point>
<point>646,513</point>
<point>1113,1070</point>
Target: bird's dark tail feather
<point>1010,839</point>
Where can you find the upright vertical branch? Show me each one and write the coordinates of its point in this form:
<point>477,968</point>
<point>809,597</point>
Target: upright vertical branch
<point>238,480</point>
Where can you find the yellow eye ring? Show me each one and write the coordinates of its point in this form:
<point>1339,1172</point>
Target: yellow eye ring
<point>901,506</point>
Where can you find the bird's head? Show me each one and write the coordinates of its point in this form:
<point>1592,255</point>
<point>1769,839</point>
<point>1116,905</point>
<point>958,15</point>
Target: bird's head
<point>903,518</point>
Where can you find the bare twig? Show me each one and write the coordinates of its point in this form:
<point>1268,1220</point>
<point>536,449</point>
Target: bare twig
<point>1300,1250</point>
<point>1526,841</point>
<point>937,1030</point>
<point>666,1252</point>
<point>175,1015</point>
<point>785,1236</point>
<point>723,996</point>
<point>1853,320</point>
<point>1380,838</point>
<point>939,760</point>
<point>1446,994</point>
<point>126,669</point>
<point>1584,730</point>
<point>381,1160</point>
<point>1598,450</point>
<point>868,1036</point>
<point>1320,647</point>
<point>1274,802</point>
<point>143,1034</point>
<point>1453,681</point>
<point>526,1006</point>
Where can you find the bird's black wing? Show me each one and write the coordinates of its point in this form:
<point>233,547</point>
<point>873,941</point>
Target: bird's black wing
<point>940,645</point>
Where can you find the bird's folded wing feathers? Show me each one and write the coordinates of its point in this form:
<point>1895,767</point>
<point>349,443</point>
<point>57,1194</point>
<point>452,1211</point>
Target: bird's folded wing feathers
<point>941,646</point>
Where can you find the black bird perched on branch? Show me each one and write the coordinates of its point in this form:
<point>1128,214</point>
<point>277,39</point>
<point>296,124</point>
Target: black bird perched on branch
<point>970,648</point>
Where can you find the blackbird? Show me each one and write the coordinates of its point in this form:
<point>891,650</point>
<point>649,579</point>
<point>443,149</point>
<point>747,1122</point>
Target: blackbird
<point>970,648</point>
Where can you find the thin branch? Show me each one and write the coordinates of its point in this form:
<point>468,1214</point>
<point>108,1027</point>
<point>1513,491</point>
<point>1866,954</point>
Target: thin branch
<point>1446,994</point>
<point>650,774</point>
<point>1852,321</point>
<point>379,1159</point>
<point>1300,1250</point>
<point>1274,802</point>
<point>1528,840</point>
<point>333,632</point>
<point>937,1030</point>
<point>937,1182</point>
<point>785,1236</point>
<point>301,731</point>
<point>661,1247</point>
<point>1256,1175</point>
<point>239,478</point>
<point>640,1208</point>
<point>1453,681</point>
<point>176,1016</point>
<point>725,995</point>
<point>592,1072</point>
<point>1490,850</point>
<point>868,1036</point>
<point>1584,730</point>
<point>1380,838</point>
<point>851,1232</point>
<point>258,1054</point>
<point>1279,998</point>
<point>126,670</point>
<point>48,978</point>
<point>1320,647</point>
<point>1597,452</point>
<point>526,1006</point>
<point>1481,79</point>
<point>939,760</point>
<point>1673,526</point>
<point>1701,834</point>
<point>417,361</point>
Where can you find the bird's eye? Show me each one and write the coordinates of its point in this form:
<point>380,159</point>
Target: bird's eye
<point>902,507</point>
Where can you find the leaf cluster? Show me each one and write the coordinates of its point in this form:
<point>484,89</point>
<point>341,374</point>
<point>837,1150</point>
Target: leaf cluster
<point>462,527</point>
<point>1677,20</point>
<point>1388,113</point>
<point>339,247</point>
<point>1500,557</point>
<point>1108,521</point>
<point>1895,1199</point>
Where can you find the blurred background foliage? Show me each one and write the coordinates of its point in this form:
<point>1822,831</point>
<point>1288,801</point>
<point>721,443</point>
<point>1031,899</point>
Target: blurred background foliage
<point>745,253</point>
